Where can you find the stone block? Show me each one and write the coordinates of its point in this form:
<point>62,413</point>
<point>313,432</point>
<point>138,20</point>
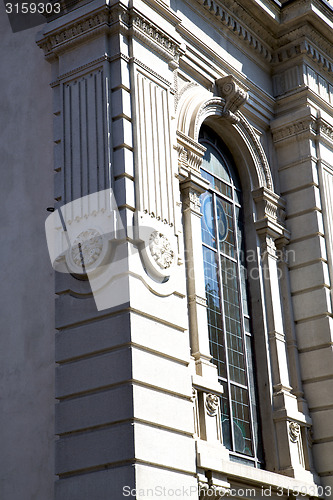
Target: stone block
<point>94,373</point>
<point>164,448</point>
<point>77,452</point>
<point>298,176</point>
<point>119,73</point>
<point>69,310</point>
<point>303,200</point>
<point>122,133</point>
<point>161,338</point>
<point>121,104</point>
<point>104,334</point>
<point>322,424</point>
<point>165,483</point>
<point>160,408</point>
<point>308,250</point>
<point>304,225</point>
<point>93,410</point>
<point>315,332</point>
<point>316,364</point>
<point>323,453</point>
<point>319,394</point>
<point>306,277</point>
<point>99,485</point>
<point>123,162</point>
<point>313,303</point>
<point>124,192</point>
<point>157,371</point>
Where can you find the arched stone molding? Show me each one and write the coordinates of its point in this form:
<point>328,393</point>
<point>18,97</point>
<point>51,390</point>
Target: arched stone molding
<point>197,105</point>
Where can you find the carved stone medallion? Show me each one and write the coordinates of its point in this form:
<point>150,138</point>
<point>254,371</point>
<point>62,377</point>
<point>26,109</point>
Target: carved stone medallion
<point>161,250</point>
<point>87,248</point>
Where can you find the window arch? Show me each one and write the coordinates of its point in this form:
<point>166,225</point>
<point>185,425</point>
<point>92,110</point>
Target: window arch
<point>228,311</point>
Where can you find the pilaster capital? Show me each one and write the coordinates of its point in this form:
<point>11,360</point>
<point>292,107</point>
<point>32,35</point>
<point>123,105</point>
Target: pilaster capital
<point>270,216</point>
<point>192,187</point>
<point>190,155</point>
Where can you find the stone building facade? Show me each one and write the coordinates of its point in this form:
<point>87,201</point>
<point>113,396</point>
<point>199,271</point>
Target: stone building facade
<point>211,374</point>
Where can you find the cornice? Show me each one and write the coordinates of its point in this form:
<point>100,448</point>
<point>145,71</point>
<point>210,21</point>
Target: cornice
<point>85,27</point>
<point>160,41</point>
<point>304,125</point>
<point>325,129</point>
<point>305,41</point>
<point>103,19</point>
<point>242,30</point>
<point>282,41</point>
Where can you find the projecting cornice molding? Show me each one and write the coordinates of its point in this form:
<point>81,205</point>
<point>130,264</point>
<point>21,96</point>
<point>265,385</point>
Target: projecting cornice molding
<point>241,30</point>
<point>153,36</point>
<point>325,129</point>
<point>86,27</point>
<point>288,131</point>
<point>106,19</point>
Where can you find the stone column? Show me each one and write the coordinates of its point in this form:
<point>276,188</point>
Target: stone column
<point>209,441</point>
<point>292,449</point>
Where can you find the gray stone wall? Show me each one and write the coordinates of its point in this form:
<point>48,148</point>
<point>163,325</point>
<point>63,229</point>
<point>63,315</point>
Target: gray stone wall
<point>27,287</point>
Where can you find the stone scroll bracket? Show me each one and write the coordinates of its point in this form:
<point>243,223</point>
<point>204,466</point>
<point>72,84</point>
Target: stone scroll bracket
<point>233,95</point>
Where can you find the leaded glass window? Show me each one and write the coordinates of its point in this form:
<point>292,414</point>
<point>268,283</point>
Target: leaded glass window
<point>228,311</point>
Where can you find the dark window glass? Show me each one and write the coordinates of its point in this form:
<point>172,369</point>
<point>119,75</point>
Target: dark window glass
<point>228,312</point>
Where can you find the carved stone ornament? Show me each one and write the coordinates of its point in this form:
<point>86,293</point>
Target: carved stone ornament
<point>233,95</point>
<point>294,431</point>
<point>212,404</point>
<point>160,249</point>
<point>87,248</point>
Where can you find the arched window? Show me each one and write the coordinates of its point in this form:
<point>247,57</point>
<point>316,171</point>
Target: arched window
<point>229,316</point>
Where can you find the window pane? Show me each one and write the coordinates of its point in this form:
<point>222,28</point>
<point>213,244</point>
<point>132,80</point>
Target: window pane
<point>221,187</point>
<point>241,420</point>
<point>214,314</point>
<point>228,243</point>
<point>225,416</point>
<point>236,358</point>
<point>207,220</point>
<point>254,408</point>
<point>215,164</point>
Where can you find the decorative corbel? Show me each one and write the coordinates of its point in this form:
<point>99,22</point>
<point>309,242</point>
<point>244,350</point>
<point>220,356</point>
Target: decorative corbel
<point>190,155</point>
<point>233,95</point>
<point>270,215</point>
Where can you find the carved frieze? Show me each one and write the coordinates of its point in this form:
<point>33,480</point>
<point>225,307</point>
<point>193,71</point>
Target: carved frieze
<point>306,125</point>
